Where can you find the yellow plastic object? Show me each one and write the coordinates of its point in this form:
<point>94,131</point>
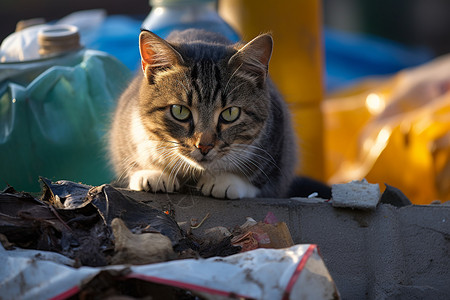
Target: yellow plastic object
<point>296,64</point>
<point>394,131</point>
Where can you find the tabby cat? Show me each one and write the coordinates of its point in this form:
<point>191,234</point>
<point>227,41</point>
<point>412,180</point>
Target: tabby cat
<point>204,114</point>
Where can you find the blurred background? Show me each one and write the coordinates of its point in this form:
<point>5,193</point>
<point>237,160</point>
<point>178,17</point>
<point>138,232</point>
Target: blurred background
<point>358,102</point>
<point>419,27</point>
<point>423,23</point>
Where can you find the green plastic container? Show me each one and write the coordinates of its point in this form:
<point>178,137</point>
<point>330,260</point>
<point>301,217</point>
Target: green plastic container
<point>54,114</point>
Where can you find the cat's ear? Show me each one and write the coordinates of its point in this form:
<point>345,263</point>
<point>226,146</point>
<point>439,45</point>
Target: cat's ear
<point>253,58</point>
<point>156,54</point>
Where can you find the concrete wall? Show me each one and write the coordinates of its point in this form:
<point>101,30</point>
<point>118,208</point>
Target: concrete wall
<point>390,253</point>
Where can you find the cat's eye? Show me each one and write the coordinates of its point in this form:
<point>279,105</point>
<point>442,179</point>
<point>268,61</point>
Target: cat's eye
<point>230,114</point>
<point>180,112</point>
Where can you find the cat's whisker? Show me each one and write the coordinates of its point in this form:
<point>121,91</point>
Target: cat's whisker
<point>164,153</point>
<point>244,146</point>
<point>235,161</point>
<point>164,148</point>
<point>173,160</point>
<point>229,79</point>
<point>192,163</point>
<point>182,84</point>
<point>264,159</point>
<point>259,148</point>
<point>248,154</point>
<point>185,77</point>
<point>175,169</point>
<point>193,172</point>
<point>236,87</point>
<point>252,161</point>
<point>130,163</point>
<point>239,163</point>
<point>248,167</point>
<point>183,166</point>
<point>125,172</point>
<point>163,141</point>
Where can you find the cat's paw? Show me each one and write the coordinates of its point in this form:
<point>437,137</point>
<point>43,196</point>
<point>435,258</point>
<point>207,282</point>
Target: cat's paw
<point>153,180</point>
<point>227,186</point>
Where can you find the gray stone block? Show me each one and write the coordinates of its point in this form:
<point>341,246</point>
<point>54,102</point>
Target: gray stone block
<point>356,194</point>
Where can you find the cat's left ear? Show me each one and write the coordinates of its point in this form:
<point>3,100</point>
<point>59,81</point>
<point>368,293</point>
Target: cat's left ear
<point>253,58</point>
<point>156,54</point>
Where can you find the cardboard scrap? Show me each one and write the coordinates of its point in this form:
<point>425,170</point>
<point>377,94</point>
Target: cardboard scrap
<point>267,234</point>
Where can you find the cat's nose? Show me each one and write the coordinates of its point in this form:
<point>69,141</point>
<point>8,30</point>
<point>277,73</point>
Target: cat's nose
<point>204,149</point>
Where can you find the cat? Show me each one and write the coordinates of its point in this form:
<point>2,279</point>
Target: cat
<point>203,112</point>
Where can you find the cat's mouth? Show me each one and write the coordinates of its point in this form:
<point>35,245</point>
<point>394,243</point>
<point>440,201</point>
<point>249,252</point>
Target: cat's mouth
<point>204,162</point>
<point>204,159</point>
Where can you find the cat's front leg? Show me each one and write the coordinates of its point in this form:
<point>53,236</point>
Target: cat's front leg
<point>227,186</point>
<point>153,180</point>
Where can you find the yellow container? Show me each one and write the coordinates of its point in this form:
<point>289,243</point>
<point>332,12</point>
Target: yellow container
<point>393,130</point>
<point>296,64</point>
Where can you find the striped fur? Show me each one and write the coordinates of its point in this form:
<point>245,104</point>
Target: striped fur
<point>254,155</point>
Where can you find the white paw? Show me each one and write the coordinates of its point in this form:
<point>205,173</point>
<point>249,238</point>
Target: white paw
<point>227,186</point>
<point>153,180</point>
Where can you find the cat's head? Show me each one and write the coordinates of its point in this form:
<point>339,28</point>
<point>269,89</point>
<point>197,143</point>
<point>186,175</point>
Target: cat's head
<point>205,102</point>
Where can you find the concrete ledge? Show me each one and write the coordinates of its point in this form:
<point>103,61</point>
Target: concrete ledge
<point>401,253</point>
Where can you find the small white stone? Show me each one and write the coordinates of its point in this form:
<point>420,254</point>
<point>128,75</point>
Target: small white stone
<point>314,195</point>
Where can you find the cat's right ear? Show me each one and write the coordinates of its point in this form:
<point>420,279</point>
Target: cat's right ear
<point>252,60</point>
<point>156,54</point>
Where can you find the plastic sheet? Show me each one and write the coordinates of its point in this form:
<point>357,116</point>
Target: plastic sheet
<point>394,131</point>
<point>350,57</point>
<point>297,272</point>
<point>53,116</point>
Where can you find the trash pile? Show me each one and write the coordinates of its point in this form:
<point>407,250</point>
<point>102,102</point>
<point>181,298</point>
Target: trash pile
<point>93,242</point>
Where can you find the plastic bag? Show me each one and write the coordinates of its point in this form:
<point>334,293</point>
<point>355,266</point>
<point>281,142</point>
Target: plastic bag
<point>394,131</point>
<point>53,117</point>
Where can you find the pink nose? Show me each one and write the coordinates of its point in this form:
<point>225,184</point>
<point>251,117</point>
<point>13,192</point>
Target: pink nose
<point>204,149</point>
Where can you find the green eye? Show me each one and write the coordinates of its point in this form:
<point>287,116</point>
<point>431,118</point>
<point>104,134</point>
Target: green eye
<point>230,114</point>
<point>180,112</point>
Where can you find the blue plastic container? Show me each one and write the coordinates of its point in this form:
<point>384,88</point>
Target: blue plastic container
<point>169,15</point>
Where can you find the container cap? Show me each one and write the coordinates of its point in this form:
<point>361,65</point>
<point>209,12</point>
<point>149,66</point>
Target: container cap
<point>56,39</point>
